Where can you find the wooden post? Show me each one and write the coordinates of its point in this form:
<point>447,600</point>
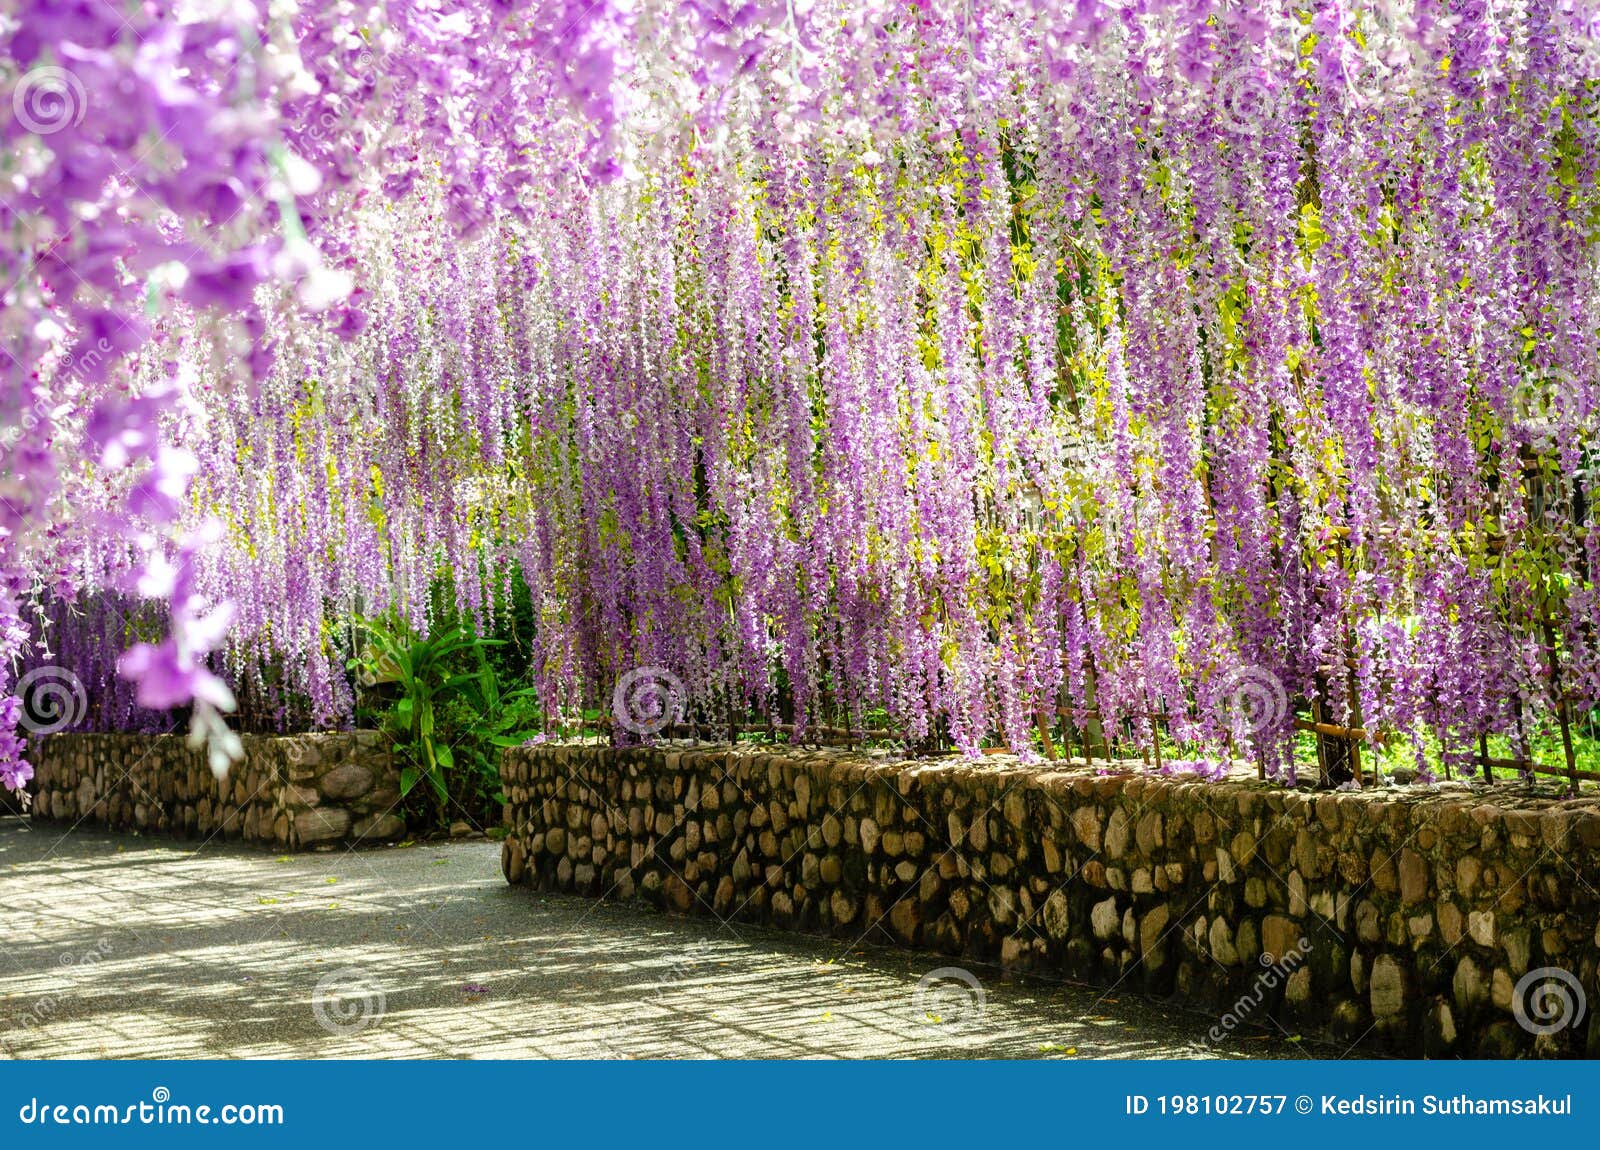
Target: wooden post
<point>1334,751</point>
<point>1561,704</point>
<point>1516,711</point>
<point>1155,738</point>
<point>1044,734</point>
<point>1316,721</point>
<point>1355,715</point>
<point>1094,729</point>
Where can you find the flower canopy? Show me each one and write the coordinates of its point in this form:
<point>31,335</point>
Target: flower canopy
<point>973,361</point>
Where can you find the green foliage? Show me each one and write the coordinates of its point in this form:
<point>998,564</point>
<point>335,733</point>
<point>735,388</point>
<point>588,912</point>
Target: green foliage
<point>1544,747</point>
<point>441,699</point>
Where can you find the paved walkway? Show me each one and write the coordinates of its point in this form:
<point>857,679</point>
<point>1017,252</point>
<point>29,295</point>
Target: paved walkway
<point>113,946</point>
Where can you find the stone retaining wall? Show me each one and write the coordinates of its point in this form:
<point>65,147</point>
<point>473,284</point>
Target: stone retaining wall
<point>291,792</point>
<point>1389,919</point>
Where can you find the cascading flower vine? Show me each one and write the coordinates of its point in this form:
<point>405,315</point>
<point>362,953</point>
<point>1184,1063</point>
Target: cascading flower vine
<point>974,362</point>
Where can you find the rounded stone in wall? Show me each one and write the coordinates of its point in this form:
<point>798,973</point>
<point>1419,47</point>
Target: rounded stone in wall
<point>1298,988</point>
<point>321,824</point>
<point>379,827</point>
<point>1438,1028</point>
<point>1057,916</point>
<point>1351,1019</point>
<point>1387,987</point>
<point>86,797</point>
<point>346,781</point>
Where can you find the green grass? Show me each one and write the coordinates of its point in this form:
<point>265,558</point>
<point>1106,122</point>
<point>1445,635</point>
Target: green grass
<point>1545,746</point>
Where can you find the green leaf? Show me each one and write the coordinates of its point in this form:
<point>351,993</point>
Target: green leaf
<point>456,682</point>
<point>408,779</point>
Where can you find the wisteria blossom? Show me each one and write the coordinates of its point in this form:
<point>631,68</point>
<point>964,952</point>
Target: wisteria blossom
<point>979,363</point>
